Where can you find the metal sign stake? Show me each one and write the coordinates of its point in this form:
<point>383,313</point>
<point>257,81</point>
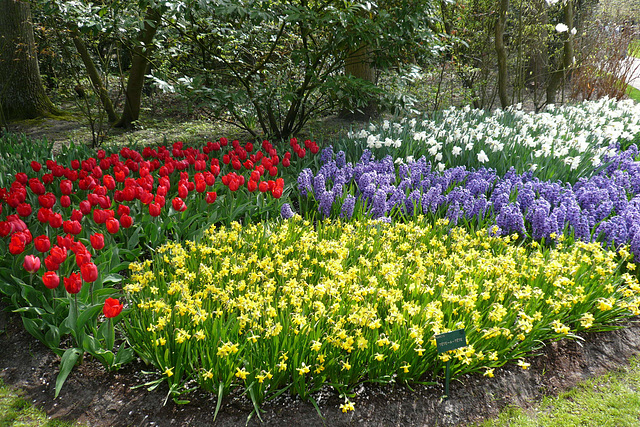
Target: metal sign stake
<point>447,342</point>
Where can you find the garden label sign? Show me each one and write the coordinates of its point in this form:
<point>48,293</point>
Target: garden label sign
<point>447,342</point>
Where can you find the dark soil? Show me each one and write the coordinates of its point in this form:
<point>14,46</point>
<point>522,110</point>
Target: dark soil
<point>99,398</point>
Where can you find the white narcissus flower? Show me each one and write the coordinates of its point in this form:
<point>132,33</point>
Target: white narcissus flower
<point>456,150</point>
<point>482,157</point>
<point>574,31</point>
<point>561,28</point>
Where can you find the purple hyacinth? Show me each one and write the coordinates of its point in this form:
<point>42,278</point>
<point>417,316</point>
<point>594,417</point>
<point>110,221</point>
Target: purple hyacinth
<point>319,184</point>
<point>286,211</point>
<point>538,216</point>
<point>379,205</point>
<point>346,212</point>
<point>510,219</point>
<point>326,155</point>
<point>605,206</point>
<point>304,182</point>
<point>325,201</point>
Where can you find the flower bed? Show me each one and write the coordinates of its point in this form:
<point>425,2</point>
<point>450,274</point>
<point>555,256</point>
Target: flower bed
<point>282,306</point>
<point>80,223</point>
<point>561,143</point>
<point>388,252</point>
<point>604,207</point>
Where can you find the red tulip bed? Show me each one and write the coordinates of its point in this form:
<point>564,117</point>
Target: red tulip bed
<point>71,228</point>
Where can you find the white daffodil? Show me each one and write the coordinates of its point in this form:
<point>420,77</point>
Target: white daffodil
<point>482,157</point>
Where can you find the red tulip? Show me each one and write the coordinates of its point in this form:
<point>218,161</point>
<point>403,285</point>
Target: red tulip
<point>183,191</point>
<point>47,200</point>
<point>97,241</point>
<point>89,272</point>
<point>113,225</point>
<point>263,187</point>
<point>24,209</point>
<point>55,220</point>
<point>42,243</point>
<point>58,255</point>
<point>24,235</point>
<point>51,264</point>
<point>31,263</point>
<point>50,279</point>
<point>73,283</point>
<point>66,186</point>
<point>76,215</point>
<point>211,197</point>
<point>72,227</point>
<point>65,241</point>
<point>47,178</point>
<point>100,216</point>
<point>126,221</point>
<point>36,166</point>
<point>5,228</point>
<point>162,191</point>
<point>146,198</point>
<point>276,192</point>
<point>43,214</point>
<point>82,258</point>
<point>36,186</point>
<point>85,207</point>
<point>65,201</point>
<point>154,209</point>
<point>22,178</point>
<point>112,308</point>
<point>123,210</point>
<point>17,245</point>
<point>178,204</point>
<point>252,186</point>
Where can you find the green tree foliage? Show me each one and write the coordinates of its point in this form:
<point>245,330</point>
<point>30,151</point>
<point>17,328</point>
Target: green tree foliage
<point>269,66</point>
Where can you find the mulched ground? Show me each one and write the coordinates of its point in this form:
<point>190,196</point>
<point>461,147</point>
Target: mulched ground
<point>98,398</point>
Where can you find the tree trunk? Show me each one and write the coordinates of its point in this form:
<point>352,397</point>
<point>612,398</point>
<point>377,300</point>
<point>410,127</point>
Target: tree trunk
<point>568,42</point>
<point>94,76</point>
<point>358,65</point>
<point>22,94</point>
<point>559,77</point>
<point>538,67</point>
<point>501,52</point>
<point>139,62</point>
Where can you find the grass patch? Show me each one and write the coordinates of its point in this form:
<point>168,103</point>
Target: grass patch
<point>634,48</point>
<point>633,93</point>
<point>609,400</point>
<point>16,411</point>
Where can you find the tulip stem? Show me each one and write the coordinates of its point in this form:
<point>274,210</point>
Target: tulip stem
<point>111,337</point>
